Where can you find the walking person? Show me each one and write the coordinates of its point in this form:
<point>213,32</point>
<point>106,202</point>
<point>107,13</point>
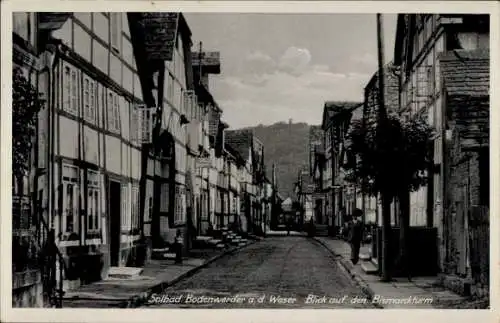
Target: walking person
<point>356,235</point>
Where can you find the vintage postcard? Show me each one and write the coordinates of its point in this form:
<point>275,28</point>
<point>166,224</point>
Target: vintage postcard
<point>258,156</point>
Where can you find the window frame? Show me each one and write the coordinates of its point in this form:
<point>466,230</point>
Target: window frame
<point>70,179</point>
<point>125,208</point>
<point>113,112</point>
<point>135,128</point>
<point>71,88</point>
<point>89,107</point>
<point>135,207</point>
<point>94,193</point>
<point>179,205</point>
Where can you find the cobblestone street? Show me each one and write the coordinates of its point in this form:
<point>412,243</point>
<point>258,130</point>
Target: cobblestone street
<point>278,267</point>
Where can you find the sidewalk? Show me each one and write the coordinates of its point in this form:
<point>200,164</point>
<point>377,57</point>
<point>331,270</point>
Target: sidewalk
<point>156,276</point>
<point>421,292</point>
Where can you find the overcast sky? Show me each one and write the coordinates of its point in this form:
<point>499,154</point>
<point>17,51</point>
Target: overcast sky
<point>281,66</point>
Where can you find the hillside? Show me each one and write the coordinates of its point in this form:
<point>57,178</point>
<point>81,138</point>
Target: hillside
<point>285,144</point>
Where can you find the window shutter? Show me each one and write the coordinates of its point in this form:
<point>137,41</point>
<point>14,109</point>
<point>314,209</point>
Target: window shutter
<point>66,83</point>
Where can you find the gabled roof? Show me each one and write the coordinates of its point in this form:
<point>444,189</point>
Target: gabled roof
<point>466,72</point>
<point>334,108</point>
<point>233,152</point>
<point>466,80</point>
<point>240,140</point>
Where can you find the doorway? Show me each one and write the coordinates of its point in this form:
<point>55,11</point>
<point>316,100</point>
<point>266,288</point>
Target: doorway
<point>114,221</point>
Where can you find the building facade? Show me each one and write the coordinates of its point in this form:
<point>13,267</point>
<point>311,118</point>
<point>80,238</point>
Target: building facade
<point>335,124</point>
<point>420,40</point>
<point>253,177</point>
<point>94,146</point>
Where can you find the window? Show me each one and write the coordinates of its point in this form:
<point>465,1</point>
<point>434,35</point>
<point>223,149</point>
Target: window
<point>89,99</point>
<point>146,118</point>
<point>113,110</point>
<point>135,207</point>
<point>116,31</point>
<point>74,91</point>
<point>70,201</point>
<point>93,193</point>
<point>125,216</point>
<point>135,134</point>
<point>67,88</point>
<point>116,110</point>
<point>179,204</point>
<point>70,89</point>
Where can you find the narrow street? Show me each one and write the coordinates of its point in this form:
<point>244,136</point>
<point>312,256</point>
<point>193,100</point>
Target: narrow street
<point>285,267</point>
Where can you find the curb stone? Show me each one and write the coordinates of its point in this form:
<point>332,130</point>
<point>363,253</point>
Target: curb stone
<point>349,269</point>
<point>141,299</point>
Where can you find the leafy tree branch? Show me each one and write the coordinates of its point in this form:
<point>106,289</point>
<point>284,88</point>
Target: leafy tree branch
<point>26,103</point>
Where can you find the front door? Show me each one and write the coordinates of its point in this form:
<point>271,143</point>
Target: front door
<point>114,221</point>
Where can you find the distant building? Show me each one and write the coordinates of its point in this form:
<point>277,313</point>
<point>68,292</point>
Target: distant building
<point>335,124</point>
<point>252,150</point>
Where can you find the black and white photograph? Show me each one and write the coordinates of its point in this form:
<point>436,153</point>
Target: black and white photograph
<point>185,159</point>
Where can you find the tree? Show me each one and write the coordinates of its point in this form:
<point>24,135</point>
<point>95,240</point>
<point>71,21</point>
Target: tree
<point>406,158</point>
<point>26,103</point>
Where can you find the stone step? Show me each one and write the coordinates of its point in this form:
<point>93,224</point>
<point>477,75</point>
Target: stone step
<point>368,267</point>
<point>166,255</point>
<point>214,241</point>
<point>124,272</point>
<point>203,238</point>
<point>365,256</point>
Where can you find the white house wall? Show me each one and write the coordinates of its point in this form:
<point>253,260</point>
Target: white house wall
<point>110,154</point>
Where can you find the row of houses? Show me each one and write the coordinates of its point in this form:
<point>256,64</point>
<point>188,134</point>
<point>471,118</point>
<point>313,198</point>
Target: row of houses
<point>440,72</point>
<point>129,149</point>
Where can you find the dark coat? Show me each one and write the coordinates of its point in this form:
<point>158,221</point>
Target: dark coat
<point>355,232</point>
